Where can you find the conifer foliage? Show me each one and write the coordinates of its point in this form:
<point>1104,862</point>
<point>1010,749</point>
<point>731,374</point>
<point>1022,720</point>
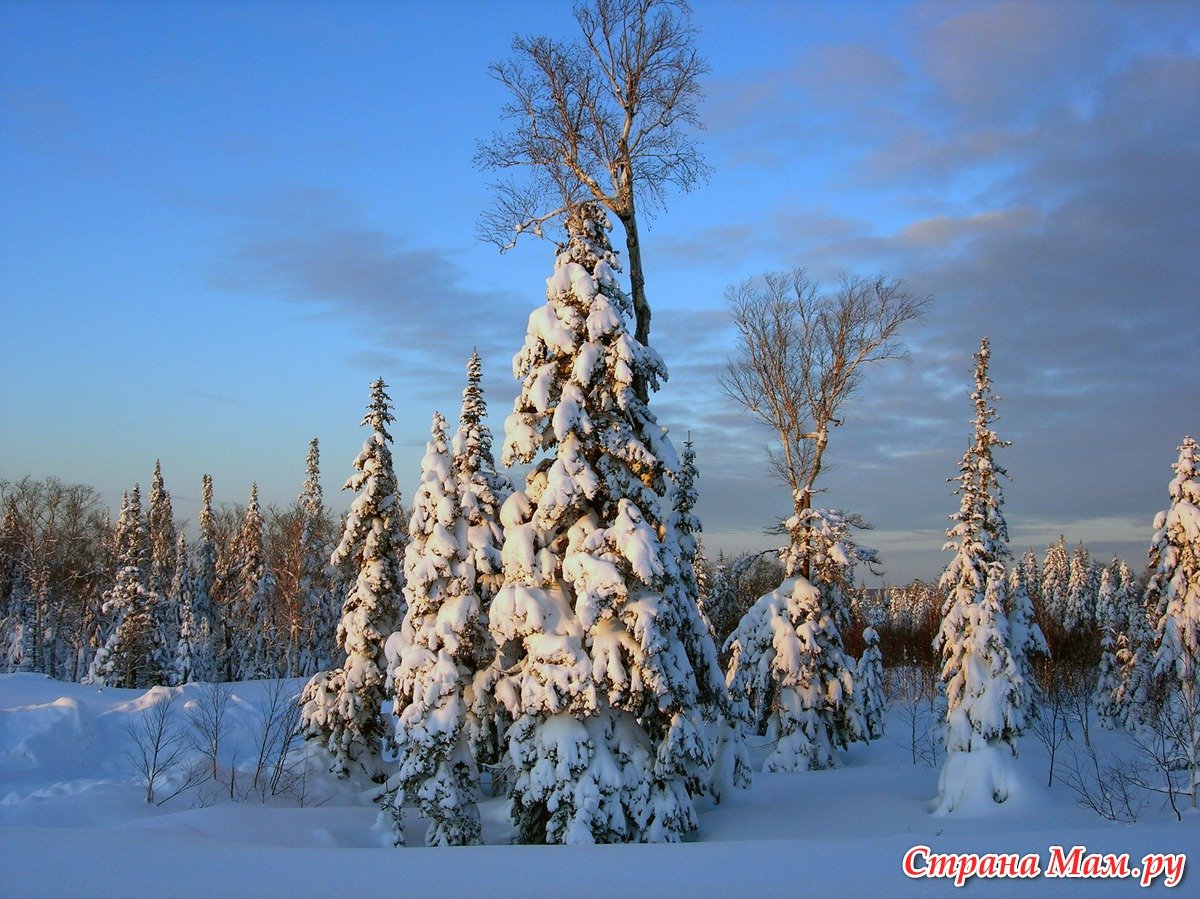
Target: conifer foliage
<point>606,739</point>
<point>870,684</point>
<point>790,676</point>
<point>131,654</point>
<point>981,680</point>
<point>341,708</point>
<point>441,655</point>
<point>253,596</point>
<point>1174,591</point>
<point>318,618</point>
<point>208,640</point>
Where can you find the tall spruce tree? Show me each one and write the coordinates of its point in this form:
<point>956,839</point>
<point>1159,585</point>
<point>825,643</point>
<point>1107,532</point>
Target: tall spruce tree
<point>318,613</point>
<point>1109,617</point>
<point>160,529</point>
<point>187,656</point>
<point>253,597</point>
<point>482,492</point>
<point>980,678</point>
<point>591,620</point>
<point>208,640</point>
<point>341,707</point>
<point>441,647</point>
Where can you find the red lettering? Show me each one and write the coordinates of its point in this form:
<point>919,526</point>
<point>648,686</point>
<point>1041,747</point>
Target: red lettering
<point>910,861</point>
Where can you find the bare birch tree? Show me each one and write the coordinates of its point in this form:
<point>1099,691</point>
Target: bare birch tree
<point>602,119</point>
<point>801,354</point>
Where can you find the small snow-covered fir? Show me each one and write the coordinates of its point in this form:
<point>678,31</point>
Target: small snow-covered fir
<point>789,675</point>
<point>869,684</point>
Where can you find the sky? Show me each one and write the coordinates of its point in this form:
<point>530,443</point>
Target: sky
<point>220,222</point>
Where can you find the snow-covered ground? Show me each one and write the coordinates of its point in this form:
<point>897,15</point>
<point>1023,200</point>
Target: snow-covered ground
<point>74,821</point>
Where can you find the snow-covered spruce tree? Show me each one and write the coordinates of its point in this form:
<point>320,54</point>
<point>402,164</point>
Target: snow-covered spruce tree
<point>1026,641</point>
<point>1056,579</point>
<point>160,531</point>
<point>1174,585</point>
<point>207,639</point>
<point>980,679</point>
<point>318,632</point>
<point>482,491</point>
<point>1108,620</point>
<point>252,598</point>
<point>1135,654</point>
<point>869,684</point>
<point>1079,614</point>
<point>789,671</point>
<point>1031,577</point>
<point>442,646</point>
<point>731,758</point>
<point>160,525</point>
<point>594,637</point>
<point>700,572</point>
<point>720,604</point>
<point>341,707</point>
<point>187,661</point>
<point>130,656</point>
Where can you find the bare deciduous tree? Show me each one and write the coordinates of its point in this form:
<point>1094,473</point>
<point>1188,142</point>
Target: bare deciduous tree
<point>603,119</point>
<point>801,354</point>
<point>159,748</point>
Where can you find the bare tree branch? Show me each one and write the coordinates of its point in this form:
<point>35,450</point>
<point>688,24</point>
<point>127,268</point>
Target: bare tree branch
<point>802,354</point>
<point>606,119</point>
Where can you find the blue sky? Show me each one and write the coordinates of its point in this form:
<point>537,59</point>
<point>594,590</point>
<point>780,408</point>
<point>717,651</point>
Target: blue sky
<point>219,222</point>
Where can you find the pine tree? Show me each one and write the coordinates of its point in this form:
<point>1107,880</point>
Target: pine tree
<point>981,682</point>
<point>341,707</point>
<point>869,683</point>
<point>318,631</point>
<point>130,656</point>
<point>1174,586</point>
<point>606,739</point>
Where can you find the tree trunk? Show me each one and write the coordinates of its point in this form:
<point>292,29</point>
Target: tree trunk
<point>637,283</point>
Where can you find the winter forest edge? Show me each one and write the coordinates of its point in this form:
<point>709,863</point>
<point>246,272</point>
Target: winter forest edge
<point>559,644</point>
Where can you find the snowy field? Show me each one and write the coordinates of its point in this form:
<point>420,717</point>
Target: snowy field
<point>74,821</point>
